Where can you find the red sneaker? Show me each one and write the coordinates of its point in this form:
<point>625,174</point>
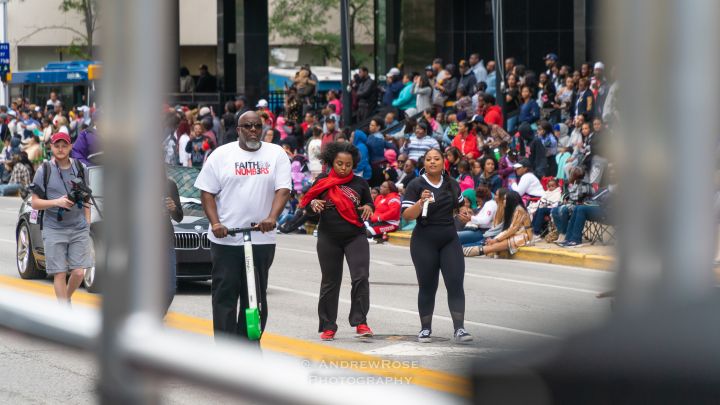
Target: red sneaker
<point>327,335</point>
<point>363,330</point>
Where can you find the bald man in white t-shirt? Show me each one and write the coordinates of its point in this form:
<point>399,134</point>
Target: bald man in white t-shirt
<point>242,183</point>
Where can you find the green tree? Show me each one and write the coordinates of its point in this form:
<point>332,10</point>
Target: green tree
<point>305,21</point>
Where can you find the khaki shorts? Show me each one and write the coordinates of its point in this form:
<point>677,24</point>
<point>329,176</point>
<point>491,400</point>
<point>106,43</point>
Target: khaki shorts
<point>67,249</point>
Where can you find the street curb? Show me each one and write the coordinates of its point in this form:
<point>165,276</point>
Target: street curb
<point>533,254</point>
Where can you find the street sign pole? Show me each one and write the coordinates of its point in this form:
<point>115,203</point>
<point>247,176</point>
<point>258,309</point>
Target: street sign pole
<point>4,39</point>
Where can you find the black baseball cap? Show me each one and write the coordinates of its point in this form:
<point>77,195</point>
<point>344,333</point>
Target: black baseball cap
<point>524,162</point>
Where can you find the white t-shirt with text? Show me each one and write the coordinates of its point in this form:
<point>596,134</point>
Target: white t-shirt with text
<point>244,184</point>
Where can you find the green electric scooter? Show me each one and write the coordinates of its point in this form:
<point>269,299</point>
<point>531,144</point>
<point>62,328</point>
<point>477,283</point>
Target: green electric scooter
<point>252,315</point>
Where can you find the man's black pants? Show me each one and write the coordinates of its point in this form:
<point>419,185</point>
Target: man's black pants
<point>229,284</point>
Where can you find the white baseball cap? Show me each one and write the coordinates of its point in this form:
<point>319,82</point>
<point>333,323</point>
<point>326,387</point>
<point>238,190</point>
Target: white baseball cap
<point>204,111</point>
<point>262,103</point>
<point>599,65</point>
<point>394,72</point>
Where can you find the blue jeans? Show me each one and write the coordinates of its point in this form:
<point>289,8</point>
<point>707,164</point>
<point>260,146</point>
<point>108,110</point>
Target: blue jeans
<point>512,124</point>
<point>471,238</point>
<point>284,218</point>
<point>538,221</point>
<point>9,189</point>
<point>581,214</point>
<point>561,217</point>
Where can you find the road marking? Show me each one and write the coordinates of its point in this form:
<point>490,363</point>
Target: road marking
<point>321,353</point>
<point>409,312</point>
<point>511,280</point>
<point>412,349</point>
<point>7,241</point>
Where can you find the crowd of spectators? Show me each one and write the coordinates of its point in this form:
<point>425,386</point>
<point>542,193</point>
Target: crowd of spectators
<point>546,140</point>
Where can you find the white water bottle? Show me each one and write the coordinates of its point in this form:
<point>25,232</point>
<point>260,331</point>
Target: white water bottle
<point>425,208</point>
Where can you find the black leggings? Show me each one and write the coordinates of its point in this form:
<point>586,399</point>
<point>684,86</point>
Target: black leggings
<point>434,249</point>
<point>331,249</point>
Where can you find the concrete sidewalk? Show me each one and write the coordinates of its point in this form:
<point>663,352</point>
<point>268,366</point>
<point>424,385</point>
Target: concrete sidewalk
<point>596,256</point>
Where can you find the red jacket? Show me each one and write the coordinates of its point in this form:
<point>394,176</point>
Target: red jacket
<point>387,208</point>
<point>493,115</point>
<point>468,146</point>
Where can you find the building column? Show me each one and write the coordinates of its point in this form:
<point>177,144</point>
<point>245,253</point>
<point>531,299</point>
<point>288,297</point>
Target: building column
<point>252,49</point>
<point>580,32</point>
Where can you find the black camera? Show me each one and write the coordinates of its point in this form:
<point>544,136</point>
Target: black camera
<point>79,194</point>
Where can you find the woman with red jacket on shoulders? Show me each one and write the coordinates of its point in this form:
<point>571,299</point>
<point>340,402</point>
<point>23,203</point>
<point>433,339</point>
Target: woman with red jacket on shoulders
<point>387,212</point>
<point>466,141</point>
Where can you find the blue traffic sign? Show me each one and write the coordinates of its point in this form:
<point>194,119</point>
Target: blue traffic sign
<point>4,57</point>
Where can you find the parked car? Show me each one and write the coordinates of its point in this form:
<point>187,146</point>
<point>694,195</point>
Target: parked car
<point>192,246</point>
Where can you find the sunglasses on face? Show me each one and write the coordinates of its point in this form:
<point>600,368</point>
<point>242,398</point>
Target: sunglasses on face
<point>252,126</point>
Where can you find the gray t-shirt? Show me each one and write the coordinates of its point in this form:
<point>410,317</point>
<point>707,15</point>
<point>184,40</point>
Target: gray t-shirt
<point>58,186</point>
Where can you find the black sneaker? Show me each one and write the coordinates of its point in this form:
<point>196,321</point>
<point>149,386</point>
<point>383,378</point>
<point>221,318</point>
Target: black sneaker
<point>462,336</point>
<point>424,336</point>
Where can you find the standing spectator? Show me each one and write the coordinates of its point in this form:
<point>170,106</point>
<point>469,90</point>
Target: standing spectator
<point>585,101</point>
<point>478,68</point>
<point>423,91</point>
<point>293,105</point>
<point>314,149</point>
<point>362,166</point>
<point>394,85</point>
<point>491,79</point>
<point>366,94</point>
<point>186,81</point>
<point>564,99</point>
<point>332,99</point>
<point>405,100</point>
<point>87,144</point>
<point>206,82</point>
<point>529,110</point>
<point>263,107</point>
<point>448,86</point>
<point>547,137</point>
<point>599,87</point>
<point>551,61</point>
<point>467,80</point>
<point>536,149</point>
<point>512,103</point>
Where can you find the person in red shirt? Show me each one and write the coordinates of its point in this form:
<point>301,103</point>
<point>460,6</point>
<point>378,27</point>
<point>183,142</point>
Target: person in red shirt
<point>492,113</point>
<point>309,121</point>
<point>465,141</point>
<point>331,132</point>
<point>387,212</point>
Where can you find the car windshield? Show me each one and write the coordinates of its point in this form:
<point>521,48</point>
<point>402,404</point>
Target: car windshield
<point>192,209</point>
<point>184,177</point>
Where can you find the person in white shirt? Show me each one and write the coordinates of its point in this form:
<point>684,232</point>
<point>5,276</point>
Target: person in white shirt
<point>242,183</point>
<point>481,221</point>
<point>529,186</point>
<point>183,156</point>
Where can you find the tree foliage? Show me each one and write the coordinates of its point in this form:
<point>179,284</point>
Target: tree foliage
<point>82,46</point>
<point>305,22</point>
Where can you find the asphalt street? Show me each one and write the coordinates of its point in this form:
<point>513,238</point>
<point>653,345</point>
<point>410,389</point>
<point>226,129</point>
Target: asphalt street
<point>510,306</point>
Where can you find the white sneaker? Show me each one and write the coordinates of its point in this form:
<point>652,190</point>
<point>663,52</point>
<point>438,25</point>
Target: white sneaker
<point>462,336</point>
<point>424,336</point>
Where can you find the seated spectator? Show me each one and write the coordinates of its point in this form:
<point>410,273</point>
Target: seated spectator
<point>393,125</point>
<point>386,217</point>
<point>529,186</point>
<point>465,141</point>
<point>517,231</point>
<point>576,192</point>
<point>464,178</point>
<point>487,174</point>
<point>409,167</point>
<point>452,159</point>
<point>595,210</point>
<point>482,218</point>
<point>406,100</point>
<point>493,135</point>
<point>542,208</point>
<point>21,174</point>
<point>492,113</point>
<point>420,142</point>
<point>529,110</point>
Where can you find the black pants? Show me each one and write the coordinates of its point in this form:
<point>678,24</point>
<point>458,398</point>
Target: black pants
<point>434,249</point>
<point>229,284</point>
<point>331,250</point>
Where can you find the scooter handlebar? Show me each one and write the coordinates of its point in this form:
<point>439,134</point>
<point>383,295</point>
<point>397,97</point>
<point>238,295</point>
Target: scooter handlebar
<point>234,231</point>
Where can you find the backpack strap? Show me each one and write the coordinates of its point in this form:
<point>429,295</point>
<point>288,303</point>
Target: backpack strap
<point>80,168</point>
<point>47,169</point>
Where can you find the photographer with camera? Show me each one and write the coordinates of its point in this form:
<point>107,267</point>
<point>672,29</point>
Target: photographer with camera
<point>59,191</point>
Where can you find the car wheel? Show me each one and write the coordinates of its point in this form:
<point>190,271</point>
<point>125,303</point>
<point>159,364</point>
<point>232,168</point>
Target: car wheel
<point>26,265</point>
<point>91,279</point>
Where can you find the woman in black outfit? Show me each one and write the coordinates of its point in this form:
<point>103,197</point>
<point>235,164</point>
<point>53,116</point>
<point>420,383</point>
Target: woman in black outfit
<point>338,197</point>
<point>434,246</point>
